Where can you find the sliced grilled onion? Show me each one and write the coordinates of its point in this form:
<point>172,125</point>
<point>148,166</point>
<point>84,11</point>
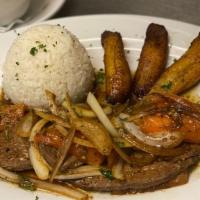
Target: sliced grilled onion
<point>78,175</point>
<point>39,164</point>
<point>94,104</point>
<point>66,190</point>
<point>37,128</point>
<point>83,142</point>
<point>80,172</point>
<point>117,170</point>
<point>63,152</point>
<point>84,112</point>
<point>25,125</point>
<point>52,102</point>
<point>151,149</point>
<point>53,118</point>
<point>162,139</point>
<point>84,168</point>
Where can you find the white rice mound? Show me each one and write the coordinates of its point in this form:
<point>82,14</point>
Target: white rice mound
<point>58,62</point>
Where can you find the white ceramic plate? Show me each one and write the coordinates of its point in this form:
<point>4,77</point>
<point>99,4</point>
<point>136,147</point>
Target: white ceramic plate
<point>88,29</point>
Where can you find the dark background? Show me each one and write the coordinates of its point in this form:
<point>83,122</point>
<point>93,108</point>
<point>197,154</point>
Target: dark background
<point>184,10</point>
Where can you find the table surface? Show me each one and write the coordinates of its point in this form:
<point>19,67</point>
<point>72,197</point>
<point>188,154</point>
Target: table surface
<point>183,10</point>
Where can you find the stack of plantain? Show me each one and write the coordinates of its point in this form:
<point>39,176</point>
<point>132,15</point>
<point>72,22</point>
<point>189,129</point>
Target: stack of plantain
<point>151,75</point>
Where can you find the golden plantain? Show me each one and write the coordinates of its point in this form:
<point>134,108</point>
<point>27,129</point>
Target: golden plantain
<point>183,74</point>
<point>117,72</point>
<point>153,59</point>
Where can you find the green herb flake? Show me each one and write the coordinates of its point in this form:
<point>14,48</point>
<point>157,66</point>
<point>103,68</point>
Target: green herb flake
<point>41,46</point>
<point>37,42</point>
<point>46,66</point>
<point>120,144</point>
<point>100,77</point>
<point>36,198</point>
<point>45,50</point>
<point>167,86</point>
<point>26,184</point>
<point>17,63</point>
<point>33,51</point>
<point>107,173</point>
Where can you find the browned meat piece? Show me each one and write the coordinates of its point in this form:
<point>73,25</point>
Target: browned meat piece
<point>10,115</point>
<point>152,60</point>
<point>13,149</point>
<point>14,152</point>
<point>145,178</point>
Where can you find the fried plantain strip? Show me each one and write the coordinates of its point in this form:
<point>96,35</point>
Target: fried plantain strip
<point>153,59</point>
<point>117,72</point>
<point>183,74</point>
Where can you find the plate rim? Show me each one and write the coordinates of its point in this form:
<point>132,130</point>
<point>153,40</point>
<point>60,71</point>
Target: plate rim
<point>183,26</point>
<point>141,17</point>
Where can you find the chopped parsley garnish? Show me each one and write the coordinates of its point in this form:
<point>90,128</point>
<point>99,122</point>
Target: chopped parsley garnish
<point>107,173</point>
<point>120,144</point>
<point>41,46</point>
<point>45,50</point>
<point>17,63</point>
<point>16,76</point>
<point>36,198</point>
<point>26,184</point>
<point>33,51</point>
<point>167,86</point>
<point>46,66</point>
<point>100,77</point>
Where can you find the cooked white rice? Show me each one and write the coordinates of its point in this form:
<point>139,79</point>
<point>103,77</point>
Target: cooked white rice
<point>46,57</point>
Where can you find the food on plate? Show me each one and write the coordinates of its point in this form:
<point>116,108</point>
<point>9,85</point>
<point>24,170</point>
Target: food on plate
<point>117,72</point>
<point>144,178</point>
<point>152,61</point>
<point>109,142</point>
<point>183,74</point>
<point>47,57</point>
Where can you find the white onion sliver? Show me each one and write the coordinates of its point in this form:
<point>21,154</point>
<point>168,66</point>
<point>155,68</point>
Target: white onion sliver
<point>78,176</point>
<point>94,104</point>
<point>37,128</point>
<point>66,190</point>
<point>38,163</point>
<point>117,170</point>
<point>163,139</point>
<point>9,176</point>
<point>85,168</point>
